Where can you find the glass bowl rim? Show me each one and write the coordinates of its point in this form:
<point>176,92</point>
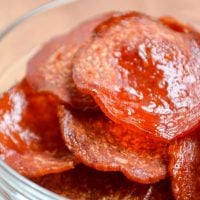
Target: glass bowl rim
<point>18,180</point>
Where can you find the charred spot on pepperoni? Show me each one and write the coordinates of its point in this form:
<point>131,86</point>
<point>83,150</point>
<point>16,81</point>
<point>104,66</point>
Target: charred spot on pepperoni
<point>98,142</point>
<point>30,139</point>
<point>184,167</point>
<point>51,68</point>
<point>143,74</point>
<point>85,183</point>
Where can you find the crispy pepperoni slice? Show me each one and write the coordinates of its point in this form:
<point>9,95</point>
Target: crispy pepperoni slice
<point>98,142</point>
<point>51,68</point>
<point>30,139</point>
<point>85,184</point>
<point>184,167</point>
<point>143,74</point>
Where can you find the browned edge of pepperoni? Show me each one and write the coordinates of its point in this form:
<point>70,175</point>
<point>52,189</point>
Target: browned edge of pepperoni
<point>85,184</point>
<point>98,142</point>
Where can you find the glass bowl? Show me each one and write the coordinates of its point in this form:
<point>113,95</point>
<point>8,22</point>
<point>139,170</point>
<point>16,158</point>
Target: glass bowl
<point>23,37</point>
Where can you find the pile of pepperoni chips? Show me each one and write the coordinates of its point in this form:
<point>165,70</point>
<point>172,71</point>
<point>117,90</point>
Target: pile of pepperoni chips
<point>110,110</point>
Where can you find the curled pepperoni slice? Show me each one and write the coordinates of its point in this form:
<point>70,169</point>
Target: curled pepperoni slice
<point>184,167</point>
<point>84,183</point>
<point>51,68</point>
<point>30,139</point>
<point>98,142</point>
<point>143,74</point>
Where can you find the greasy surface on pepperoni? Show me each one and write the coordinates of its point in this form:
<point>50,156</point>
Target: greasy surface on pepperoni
<point>142,74</point>
<point>184,167</point>
<point>51,68</point>
<point>85,184</point>
<point>30,139</point>
<point>98,142</point>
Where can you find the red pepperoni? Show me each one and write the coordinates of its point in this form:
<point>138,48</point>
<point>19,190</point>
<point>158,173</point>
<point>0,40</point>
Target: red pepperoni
<point>51,68</point>
<point>84,183</point>
<point>30,140</point>
<point>98,142</point>
<point>143,74</point>
<point>184,167</point>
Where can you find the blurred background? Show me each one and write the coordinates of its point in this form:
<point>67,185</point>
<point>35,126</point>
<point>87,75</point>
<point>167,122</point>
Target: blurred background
<point>11,9</point>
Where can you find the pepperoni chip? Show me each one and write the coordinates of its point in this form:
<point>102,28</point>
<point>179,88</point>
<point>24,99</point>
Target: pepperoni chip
<point>85,184</point>
<point>51,68</point>
<point>30,139</point>
<point>98,142</point>
<point>144,74</point>
<point>184,167</point>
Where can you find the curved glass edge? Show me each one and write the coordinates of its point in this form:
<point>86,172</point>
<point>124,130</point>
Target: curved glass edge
<point>25,189</point>
<point>14,186</point>
<point>40,9</point>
